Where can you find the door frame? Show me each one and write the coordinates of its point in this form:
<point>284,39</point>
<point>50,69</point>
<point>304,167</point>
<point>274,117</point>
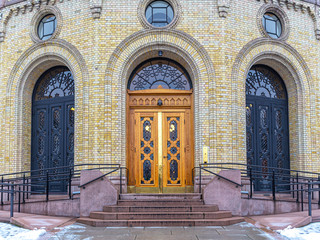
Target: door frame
<point>170,101</point>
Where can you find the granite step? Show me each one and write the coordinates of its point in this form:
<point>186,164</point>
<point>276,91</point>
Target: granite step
<point>160,222</point>
<point>160,215</point>
<point>166,202</point>
<point>161,196</point>
<point>192,208</point>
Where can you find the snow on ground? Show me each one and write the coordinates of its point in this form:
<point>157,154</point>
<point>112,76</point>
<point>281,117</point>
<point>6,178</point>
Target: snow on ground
<point>309,232</point>
<point>11,232</point>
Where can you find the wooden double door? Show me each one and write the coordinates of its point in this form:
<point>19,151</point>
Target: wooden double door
<point>160,149</point>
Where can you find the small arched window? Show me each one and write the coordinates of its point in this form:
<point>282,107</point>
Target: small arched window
<point>263,81</point>
<point>159,73</point>
<point>56,82</point>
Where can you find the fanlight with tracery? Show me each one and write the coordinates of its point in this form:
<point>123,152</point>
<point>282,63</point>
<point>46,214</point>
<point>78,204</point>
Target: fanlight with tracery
<point>56,82</point>
<point>160,73</point>
<point>263,81</point>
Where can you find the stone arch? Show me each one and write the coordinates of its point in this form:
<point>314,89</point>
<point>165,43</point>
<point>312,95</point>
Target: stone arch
<point>178,46</point>
<point>292,68</point>
<point>23,77</point>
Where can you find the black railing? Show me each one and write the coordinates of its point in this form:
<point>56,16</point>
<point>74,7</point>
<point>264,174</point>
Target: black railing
<point>275,180</point>
<point>20,185</point>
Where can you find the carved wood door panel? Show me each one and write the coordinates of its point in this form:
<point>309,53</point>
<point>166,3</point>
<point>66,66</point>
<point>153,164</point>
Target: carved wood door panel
<point>173,149</point>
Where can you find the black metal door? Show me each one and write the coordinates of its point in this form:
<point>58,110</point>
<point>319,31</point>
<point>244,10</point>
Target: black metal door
<point>53,139</point>
<point>267,139</point>
<point>52,129</point>
<point>267,127</point>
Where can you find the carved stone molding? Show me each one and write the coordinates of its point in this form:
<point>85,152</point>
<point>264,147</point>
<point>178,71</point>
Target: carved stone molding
<point>96,11</point>
<point>22,7</point>
<point>1,36</point>
<point>298,6</point>
<point>96,8</point>
<point>223,8</point>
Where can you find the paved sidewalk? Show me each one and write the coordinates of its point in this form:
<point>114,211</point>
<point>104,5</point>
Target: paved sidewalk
<point>33,221</point>
<point>241,231</point>
<point>282,221</point>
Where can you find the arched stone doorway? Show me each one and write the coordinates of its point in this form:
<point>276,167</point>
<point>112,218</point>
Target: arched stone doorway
<point>267,125</point>
<point>53,124</point>
<point>160,128</point>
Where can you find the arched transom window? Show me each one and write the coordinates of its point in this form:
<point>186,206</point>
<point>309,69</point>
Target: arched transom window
<point>159,73</point>
<point>265,82</point>
<point>56,82</point>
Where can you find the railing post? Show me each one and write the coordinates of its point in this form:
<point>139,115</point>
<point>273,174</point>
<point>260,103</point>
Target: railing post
<point>70,181</point>
<point>11,200</point>
<point>28,188</point>
<point>297,187</point>
<point>2,191</point>
<point>292,186</point>
<point>23,187</point>
<point>302,197</point>
<point>312,194</point>
<point>251,182</point>
<point>19,198</point>
<point>120,180</point>
<point>309,199</point>
<point>8,195</point>
<point>273,186</point>
<point>200,179</point>
<point>319,190</point>
<point>47,186</point>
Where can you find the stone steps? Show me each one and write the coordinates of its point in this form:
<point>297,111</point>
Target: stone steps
<point>166,202</point>
<point>162,196</point>
<point>160,222</point>
<point>154,208</point>
<point>136,210</point>
<point>160,215</point>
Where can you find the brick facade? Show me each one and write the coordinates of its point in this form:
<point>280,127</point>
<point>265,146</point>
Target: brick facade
<point>101,42</point>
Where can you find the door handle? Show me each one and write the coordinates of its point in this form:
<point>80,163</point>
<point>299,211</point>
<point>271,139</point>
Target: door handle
<point>164,156</point>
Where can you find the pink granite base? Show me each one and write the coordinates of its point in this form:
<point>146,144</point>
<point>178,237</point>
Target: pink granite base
<point>97,194</point>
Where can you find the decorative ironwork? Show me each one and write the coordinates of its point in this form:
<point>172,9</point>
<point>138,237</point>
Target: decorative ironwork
<point>266,124</point>
<point>173,170</point>
<point>173,150</point>
<point>56,118</point>
<point>264,82</point>
<point>41,145</point>
<point>56,82</point>
<point>147,170</point>
<point>41,120</point>
<point>146,151</point>
<point>278,119</point>
<point>160,73</point>
<point>56,144</point>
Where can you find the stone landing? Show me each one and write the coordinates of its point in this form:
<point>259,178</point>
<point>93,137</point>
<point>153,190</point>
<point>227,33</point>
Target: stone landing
<point>146,210</point>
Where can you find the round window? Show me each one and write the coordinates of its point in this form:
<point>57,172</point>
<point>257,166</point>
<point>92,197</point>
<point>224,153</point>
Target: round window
<point>272,25</point>
<point>47,26</point>
<point>159,13</point>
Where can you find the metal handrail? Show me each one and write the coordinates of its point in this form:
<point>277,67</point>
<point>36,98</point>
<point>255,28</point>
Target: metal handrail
<point>102,176</point>
<point>21,183</point>
<point>227,179</point>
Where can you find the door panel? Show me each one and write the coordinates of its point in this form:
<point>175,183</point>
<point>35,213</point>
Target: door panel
<point>157,145</point>
<point>267,139</point>
<point>173,146</point>
<point>147,157</point>
<point>52,140</point>
<point>56,147</point>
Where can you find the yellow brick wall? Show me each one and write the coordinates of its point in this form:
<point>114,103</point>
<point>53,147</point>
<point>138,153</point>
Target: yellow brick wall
<point>217,41</point>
